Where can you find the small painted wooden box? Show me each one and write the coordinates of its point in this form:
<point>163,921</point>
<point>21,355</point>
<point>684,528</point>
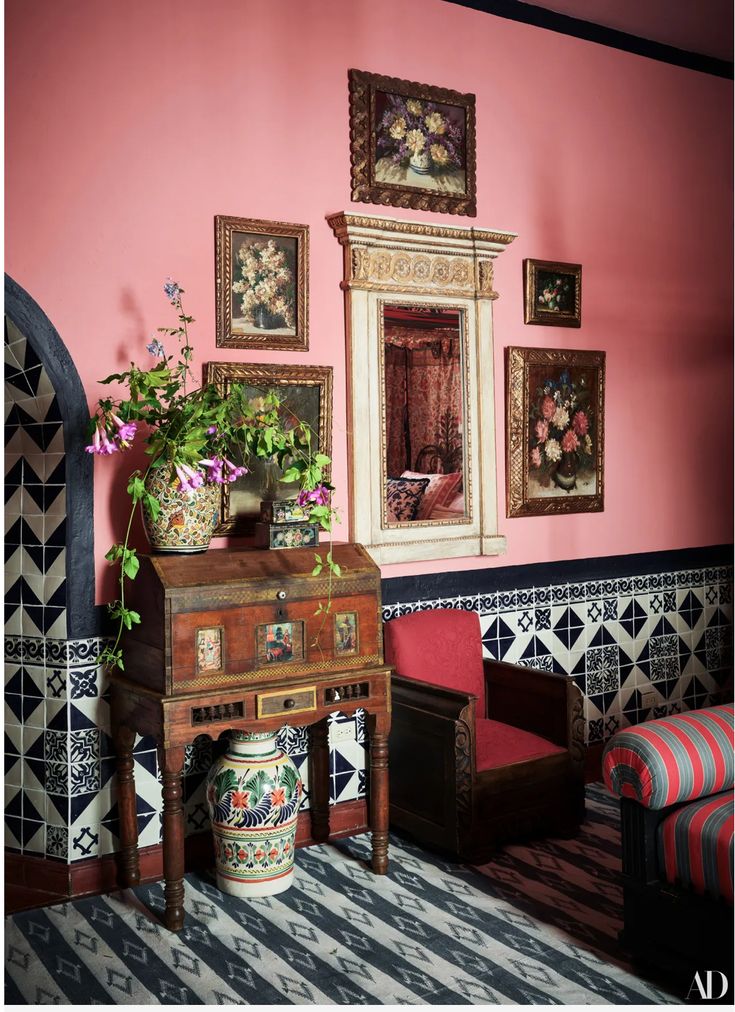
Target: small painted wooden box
<point>227,617</point>
<point>290,535</point>
<point>283,511</point>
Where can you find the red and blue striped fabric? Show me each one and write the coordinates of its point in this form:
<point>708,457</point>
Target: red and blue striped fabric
<point>679,758</point>
<point>695,845</point>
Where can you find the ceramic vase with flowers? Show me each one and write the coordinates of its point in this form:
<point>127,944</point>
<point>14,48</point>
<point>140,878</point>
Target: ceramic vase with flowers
<point>420,135</point>
<point>560,432</point>
<point>266,285</point>
<point>197,439</point>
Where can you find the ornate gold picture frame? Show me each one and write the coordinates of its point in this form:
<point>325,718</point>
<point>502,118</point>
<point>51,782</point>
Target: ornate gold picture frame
<point>261,284</point>
<point>552,293</point>
<point>555,431</point>
<point>412,145</point>
<point>306,392</point>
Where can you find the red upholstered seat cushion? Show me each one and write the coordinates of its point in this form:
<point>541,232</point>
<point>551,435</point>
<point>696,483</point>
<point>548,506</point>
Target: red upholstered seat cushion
<point>442,646</point>
<point>499,744</point>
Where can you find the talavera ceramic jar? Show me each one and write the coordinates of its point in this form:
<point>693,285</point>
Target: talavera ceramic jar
<point>186,520</point>
<point>254,792</point>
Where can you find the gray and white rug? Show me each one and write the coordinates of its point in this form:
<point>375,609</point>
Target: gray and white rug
<point>537,925</point>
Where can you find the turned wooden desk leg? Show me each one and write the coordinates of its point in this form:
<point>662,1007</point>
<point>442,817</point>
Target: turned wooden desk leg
<point>319,780</point>
<point>172,764</point>
<point>378,727</point>
<point>124,738</point>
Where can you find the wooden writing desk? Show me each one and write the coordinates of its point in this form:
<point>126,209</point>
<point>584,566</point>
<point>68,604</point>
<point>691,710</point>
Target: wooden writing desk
<point>230,639</point>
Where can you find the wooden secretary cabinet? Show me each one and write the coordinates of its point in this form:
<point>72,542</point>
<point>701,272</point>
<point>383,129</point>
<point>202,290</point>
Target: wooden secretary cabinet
<point>231,639</point>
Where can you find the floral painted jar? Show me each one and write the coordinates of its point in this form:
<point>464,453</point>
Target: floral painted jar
<point>254,792</point>
<point>186,519</point>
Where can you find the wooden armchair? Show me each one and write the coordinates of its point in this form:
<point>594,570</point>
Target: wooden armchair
<point>481,752</point>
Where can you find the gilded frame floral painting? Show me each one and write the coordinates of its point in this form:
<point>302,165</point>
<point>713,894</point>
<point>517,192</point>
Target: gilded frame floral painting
<point>261,284</point>
<point>413,145</point>
<point>552,293</point>
<point>555,428</point>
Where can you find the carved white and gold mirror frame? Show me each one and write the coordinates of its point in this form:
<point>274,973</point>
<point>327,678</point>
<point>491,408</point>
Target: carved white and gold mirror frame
<point>397,265</point>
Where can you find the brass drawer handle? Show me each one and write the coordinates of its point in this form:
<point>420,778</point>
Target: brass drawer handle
<point>288,704</point>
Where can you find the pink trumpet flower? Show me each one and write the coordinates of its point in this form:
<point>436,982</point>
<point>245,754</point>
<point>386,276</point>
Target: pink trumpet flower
<point>189,479</point>
<point>236,470</point>
<point>214,470</point>
<point>125,431</point>
<point>101,443</point>
<point>318,496</point>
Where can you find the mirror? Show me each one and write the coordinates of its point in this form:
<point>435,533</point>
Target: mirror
<point>421,400</point>
<point>424,380</point>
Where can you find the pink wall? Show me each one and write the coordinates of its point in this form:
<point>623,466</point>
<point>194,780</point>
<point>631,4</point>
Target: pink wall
<point>130,124</point>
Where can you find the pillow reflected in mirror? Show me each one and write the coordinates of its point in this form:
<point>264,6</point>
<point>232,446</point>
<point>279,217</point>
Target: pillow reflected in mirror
<point>403,498</point>
<point>441,490</point>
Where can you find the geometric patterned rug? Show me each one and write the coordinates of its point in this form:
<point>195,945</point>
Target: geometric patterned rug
<point>537,925</point>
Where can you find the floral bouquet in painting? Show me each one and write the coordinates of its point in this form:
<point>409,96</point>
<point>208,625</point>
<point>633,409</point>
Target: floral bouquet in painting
<point>266,285</point>
<point>555,294</point>
<point>560,431</point>
<point>419,134</point>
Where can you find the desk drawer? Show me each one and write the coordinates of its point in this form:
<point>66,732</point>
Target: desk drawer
<point>285,702</point>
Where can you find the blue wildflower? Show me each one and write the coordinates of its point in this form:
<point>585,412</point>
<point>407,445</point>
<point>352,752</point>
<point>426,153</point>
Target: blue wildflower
<point>172,290</point>
<point>156,348</point>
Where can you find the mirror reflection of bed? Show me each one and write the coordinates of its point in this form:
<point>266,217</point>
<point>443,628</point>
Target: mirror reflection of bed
<point>424,411</point>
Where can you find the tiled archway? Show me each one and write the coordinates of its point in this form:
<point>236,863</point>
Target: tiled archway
<point>50,643</point>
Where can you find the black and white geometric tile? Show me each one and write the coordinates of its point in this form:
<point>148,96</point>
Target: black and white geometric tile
<point>35,495</point>
<point>638,647</point>
<point>60,761</point>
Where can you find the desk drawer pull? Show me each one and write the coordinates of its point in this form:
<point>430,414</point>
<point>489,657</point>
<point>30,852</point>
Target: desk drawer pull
<point>270,704</point>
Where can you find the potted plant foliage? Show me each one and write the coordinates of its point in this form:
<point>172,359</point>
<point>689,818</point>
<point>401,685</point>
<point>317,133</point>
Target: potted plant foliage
<point>197,438</point>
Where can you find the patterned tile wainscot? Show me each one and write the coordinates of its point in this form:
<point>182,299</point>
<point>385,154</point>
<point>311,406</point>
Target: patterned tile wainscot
<point>639,645</point>
<point>60,766</point>
<point>620,637</point>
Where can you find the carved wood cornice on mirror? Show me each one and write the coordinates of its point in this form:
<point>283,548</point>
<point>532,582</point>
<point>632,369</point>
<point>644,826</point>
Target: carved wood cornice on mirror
<point>406,256</point>
<point>391,263</point>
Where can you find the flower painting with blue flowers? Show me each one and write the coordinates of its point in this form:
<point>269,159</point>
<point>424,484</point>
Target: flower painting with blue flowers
<point>555,438</point>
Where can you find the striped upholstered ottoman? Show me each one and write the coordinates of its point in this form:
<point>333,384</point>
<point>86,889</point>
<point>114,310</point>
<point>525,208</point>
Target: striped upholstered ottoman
<point>675,779</point>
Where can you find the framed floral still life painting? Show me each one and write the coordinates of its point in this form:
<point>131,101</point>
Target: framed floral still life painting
<point>261,282</point>
<point>306,396</point>
<point>552,293</point>
<point>412,145</point>
<point>554,431</point>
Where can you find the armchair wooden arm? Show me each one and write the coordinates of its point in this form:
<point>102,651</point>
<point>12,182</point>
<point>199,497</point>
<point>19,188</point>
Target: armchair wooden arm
<point>431,727</point>
<point>426,696</point>
<point>542,702</point>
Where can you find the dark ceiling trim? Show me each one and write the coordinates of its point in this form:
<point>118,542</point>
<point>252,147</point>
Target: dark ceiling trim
<point>541,17</point>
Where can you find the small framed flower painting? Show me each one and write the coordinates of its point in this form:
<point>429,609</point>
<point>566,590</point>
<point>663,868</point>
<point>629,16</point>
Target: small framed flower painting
<point>261,283</point>
<point>552,293</point>
<point>412,145</point>
<point>306,395</point>
<point>555,425</point>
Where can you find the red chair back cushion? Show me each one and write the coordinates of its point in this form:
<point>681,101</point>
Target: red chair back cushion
<point>442,646</point>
